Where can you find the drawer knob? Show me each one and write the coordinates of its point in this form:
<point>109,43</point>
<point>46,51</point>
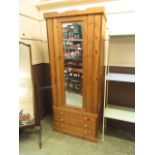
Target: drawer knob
<point>86,118</point>
<point>85,125</point>
<point>61,120</point>
<point>85,132</point>
<point>61,113</point>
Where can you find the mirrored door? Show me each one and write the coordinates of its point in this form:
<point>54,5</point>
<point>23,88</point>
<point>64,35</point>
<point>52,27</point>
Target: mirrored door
<point>73,62</point>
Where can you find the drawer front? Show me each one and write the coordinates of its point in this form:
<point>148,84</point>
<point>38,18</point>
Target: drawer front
<point>89,133</point>
<point>75,122</point>
<point>80,125</point>
<point>69,128</point>
<point>74,115</point>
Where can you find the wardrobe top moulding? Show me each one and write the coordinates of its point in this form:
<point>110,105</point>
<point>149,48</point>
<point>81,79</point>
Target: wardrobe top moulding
<point>89,11</point>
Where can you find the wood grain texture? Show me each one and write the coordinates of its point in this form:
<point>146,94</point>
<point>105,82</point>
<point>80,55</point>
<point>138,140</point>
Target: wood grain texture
<point>77,123</point>
<point>58,58</point>
<point>97,10</point>
<point>52,61</point>
<point>90,63</point>
<point>96,54</point>
<point>85,59</point>
<point>101,83</point>
<point>61,63</point>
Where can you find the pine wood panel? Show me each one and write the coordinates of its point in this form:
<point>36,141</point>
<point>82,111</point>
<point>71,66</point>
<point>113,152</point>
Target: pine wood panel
<point>97,10</point>
<point>52,61</point>
<point>96,54</point>
<point>101,65</point>
<point>90,62</point>
<point>61,63</point>
<point>85,59</point>
<point>58,64</point>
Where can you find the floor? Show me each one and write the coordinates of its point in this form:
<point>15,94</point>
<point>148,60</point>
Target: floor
<point>53,143</point>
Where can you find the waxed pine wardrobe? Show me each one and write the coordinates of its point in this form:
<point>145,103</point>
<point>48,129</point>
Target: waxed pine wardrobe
<point>76,46</point>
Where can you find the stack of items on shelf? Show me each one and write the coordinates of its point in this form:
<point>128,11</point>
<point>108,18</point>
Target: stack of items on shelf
<point>72,43</point>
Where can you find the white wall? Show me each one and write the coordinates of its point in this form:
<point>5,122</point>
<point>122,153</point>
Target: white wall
<point>122,51</point>
<point>30,29</point>
<point>44,41</point>
<point>121,23</point>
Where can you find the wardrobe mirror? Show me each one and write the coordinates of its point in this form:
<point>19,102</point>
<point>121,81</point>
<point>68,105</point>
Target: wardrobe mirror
<point>73,51</point>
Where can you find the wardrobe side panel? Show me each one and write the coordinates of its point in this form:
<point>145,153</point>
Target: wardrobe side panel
<point>96,61</point>
<point>90,63</point>
<point>49,23</point>
<point>58,60</point>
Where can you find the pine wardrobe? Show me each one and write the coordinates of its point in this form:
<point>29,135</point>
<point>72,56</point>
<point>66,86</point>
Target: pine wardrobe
<point>76,45</point>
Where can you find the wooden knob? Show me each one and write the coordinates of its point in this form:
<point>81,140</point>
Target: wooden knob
<point>85,132</point>
<point>86,118</point>
<point>85,125</point>
<point>61,120</point>
<point>61,113</point>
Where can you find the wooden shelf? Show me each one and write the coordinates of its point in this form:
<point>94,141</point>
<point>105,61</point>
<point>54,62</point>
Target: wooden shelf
<point>76,70</point>
<point>130,78</point>
<point>120,113</point>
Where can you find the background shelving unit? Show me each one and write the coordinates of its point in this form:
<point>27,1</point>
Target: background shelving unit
<point>120,77</point>
<point>116,112</point>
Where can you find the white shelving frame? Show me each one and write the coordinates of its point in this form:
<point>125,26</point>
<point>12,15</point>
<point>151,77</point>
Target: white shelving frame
<point>112,111</point>
<point>120,113</point>
<point>129,78</point>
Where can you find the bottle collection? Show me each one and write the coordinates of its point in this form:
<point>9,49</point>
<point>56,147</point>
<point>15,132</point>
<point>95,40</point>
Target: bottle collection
<point>72,44</point>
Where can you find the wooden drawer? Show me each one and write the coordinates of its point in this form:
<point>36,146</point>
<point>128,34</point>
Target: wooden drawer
<point>87,125</point>
<point>89,133</point>
<point>67,128</point>
<point>74,115</point>
<point>75,122</point>
<point>89,119</point>
<point>74,129</point>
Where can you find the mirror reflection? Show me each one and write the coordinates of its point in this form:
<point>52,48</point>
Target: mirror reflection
<point>26,97</point>
<point>73,49</point>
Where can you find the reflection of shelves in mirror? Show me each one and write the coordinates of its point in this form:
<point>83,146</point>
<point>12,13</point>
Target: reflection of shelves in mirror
<point>76,70</point>
<point>72,90</point>
<point>72,48</point>
<point>73,80</point>
<point>73,40</point>
<point>130,78</point>
<point>120,113</point>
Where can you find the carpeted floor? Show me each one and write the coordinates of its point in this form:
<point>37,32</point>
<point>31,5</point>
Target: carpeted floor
<point>54,143</point>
